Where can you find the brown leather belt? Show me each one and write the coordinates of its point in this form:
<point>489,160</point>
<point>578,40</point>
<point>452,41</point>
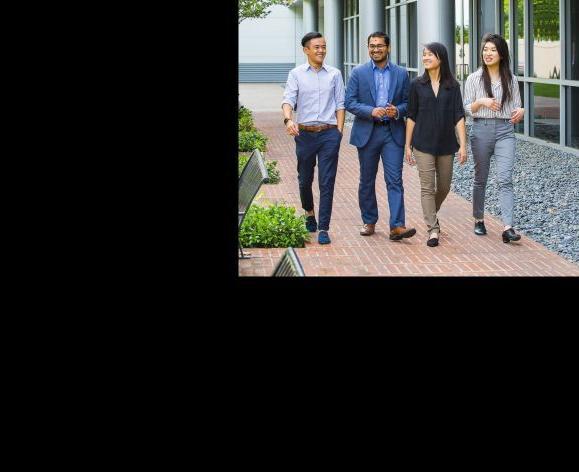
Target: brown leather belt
<point>316,129</point>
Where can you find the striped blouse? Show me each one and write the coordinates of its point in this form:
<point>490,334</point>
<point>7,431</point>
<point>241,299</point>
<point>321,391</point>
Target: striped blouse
<point>474,89</point>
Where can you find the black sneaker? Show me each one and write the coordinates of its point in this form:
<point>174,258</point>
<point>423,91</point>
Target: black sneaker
<point>510,235</point>
<point>311,224</point>
<point>479,228</point>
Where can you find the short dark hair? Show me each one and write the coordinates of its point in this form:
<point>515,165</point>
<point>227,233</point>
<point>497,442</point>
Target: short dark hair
<point>313,35</point>
<point>380,34</point>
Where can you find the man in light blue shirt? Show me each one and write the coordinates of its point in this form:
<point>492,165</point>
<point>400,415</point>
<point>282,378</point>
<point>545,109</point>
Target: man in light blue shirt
<point>316,92</point>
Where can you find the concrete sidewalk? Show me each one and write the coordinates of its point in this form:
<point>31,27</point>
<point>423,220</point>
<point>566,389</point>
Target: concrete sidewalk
<point>261,97</point>
<point>460,253</point>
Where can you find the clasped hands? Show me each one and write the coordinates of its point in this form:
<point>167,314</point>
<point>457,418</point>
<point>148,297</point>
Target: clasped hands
<point>380,112</point>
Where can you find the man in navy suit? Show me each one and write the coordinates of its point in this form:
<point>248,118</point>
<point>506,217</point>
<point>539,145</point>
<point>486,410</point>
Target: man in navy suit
<point>377,94</point>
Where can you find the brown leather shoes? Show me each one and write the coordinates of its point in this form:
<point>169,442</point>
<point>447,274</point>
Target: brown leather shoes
<point>401,232</point>
<point>368,229</point>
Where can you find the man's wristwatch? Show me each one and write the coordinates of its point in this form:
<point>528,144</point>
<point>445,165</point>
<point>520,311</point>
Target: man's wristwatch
<point>285,120</point>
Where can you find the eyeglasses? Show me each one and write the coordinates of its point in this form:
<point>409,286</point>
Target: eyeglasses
<point>377,46</point>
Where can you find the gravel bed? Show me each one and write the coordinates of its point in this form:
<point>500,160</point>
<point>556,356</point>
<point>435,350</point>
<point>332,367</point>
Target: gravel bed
<point>546,187</point>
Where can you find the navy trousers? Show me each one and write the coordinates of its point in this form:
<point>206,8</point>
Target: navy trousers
<point>381,144</point>
<point>326,146</point>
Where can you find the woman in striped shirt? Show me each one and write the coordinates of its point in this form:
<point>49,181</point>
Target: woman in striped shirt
<point>492,98</point>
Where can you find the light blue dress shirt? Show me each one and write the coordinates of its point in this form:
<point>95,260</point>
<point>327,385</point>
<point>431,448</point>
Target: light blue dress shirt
<point>318,94</point>
<point>382,83</point>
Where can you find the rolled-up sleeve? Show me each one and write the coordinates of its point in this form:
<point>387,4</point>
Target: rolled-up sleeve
<point>290,93</point>
<point>469,95</point>
<point>340,92</point>
<point>458,108</point>
<point>412,111</point>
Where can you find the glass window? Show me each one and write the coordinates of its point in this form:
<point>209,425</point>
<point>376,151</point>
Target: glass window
<point>402,36</point>
<point>321,17</point>
<point>572,10</point>
<point>505,22</point>
<point>356,41</point>
<point>546,41</point>
<point>573,118</point>
<point>519,59</point>
<point>348,38</point>
<point>459,40</point>
<point>546,116</point>
<point>486,17</point>
<point>466,38</point>
<point>412,39</point>
<point>520,127</point>
<point>351,42</point>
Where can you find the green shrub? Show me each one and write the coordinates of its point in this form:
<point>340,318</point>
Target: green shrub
<point>246,124</point>
<point>250,140</point>
<point>246,120</point>
<point>273,226</point>
<point>273,172</point>
<point>242,161</point>
<point>271,167</point>
<point>245,113</point>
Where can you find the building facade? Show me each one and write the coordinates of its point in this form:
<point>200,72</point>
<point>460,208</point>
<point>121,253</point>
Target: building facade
<point>543,37</point>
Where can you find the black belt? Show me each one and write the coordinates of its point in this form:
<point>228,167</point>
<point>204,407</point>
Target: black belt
<point>382,123</point>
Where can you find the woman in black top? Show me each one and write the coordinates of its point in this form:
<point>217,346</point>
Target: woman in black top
<point>434,112</point>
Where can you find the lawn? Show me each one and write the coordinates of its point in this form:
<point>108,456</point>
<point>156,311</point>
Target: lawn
<point>546,90</point>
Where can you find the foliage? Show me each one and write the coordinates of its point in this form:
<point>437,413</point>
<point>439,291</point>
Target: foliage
<point>273,226</point>
<point>545,20</point>
<point>271,166</point>
<point>250,140</point>
<point>465,34</point>
<point>258,8</point>
<point>246,120</point>
<point>245,113</point>
<point>545,25</point>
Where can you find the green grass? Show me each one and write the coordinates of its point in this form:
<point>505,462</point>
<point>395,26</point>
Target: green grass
<point>546,90</point>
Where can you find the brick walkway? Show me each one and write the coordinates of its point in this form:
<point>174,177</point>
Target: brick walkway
<point>460,253</point>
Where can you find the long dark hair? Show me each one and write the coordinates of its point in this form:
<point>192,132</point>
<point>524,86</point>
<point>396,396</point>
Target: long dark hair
<point>504,66</point>
<point>446,77</point>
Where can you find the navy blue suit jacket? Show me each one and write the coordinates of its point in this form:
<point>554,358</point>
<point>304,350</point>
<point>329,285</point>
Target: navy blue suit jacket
<point>361,100</point>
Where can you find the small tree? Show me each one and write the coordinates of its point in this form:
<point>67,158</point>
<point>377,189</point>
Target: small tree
<point>258,8</point>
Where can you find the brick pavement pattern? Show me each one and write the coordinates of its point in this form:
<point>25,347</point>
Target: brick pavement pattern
<point>460,252</point>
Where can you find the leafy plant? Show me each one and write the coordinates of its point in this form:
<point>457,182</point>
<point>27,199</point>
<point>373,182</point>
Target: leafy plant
<point>246,124</point>
<point>258,8</point>
<point>250,140</point>
<point>245,120</point>
<point>271,167</point>
<point>245,113</point>
<point>273,172</point>
<point>273,226</point>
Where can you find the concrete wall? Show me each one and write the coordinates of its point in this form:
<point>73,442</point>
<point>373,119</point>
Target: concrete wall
<point>270,39</point>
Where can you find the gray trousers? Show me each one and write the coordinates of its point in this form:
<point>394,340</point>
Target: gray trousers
<point>493,136</point>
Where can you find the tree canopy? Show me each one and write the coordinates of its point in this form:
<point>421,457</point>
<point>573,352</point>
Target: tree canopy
<point>258,8</point>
